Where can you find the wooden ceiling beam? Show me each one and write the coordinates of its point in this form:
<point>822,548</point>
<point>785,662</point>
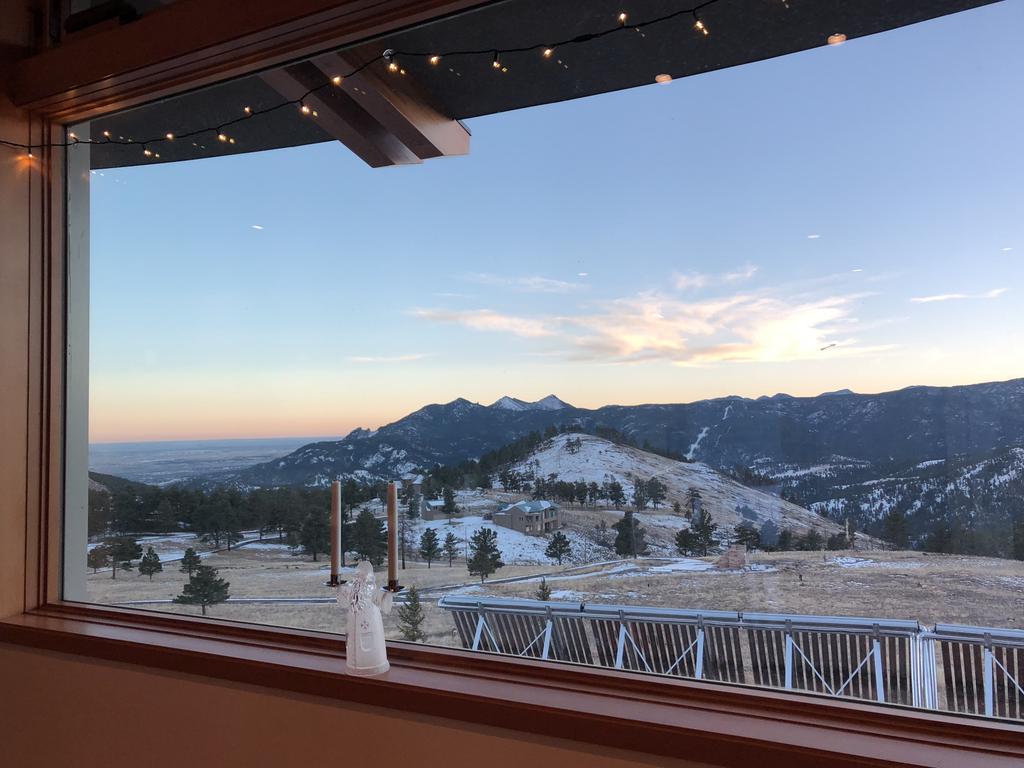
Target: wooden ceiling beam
<point>342,117</point>
<point>421,128</point>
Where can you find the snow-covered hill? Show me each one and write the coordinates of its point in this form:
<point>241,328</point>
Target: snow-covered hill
<point>593,459</point>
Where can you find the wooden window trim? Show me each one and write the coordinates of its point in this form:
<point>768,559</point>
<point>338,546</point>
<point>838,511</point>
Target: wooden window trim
<point>725,725</point>
<point>704,722</point>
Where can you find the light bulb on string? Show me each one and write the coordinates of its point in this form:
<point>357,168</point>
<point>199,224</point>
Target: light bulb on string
<point>247,110</point>
<point>699,25</point>
<point>337,79</point>
<point>622,19</point>
<point>548,53</point>
<point>391,59</point>
<point>304,109</point>
<point>497,61</point>
<point>106,135</point>
<point>147,152</point>
<point>222,137</point>
<point>434,60</point>
<point>169,136</point>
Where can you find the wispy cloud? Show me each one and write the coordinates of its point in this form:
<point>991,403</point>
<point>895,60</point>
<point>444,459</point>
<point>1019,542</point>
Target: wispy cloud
<point>654,326</point>
<point>487,320</point>
<point>525,284</point>
<point>386,358</point>
<point>995,293</point>
<point>695,280</point>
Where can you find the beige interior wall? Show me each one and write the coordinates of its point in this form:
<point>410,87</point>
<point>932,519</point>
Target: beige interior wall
<point>58,710</point>
<point>15,174</point>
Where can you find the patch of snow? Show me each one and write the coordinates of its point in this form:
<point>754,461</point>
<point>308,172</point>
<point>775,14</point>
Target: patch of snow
<point>696,443</point>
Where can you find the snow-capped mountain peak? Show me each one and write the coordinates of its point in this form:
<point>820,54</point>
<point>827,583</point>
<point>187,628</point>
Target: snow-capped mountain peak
<point>510,404</point>
<point>549,403</point>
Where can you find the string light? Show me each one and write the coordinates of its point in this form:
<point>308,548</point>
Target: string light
<point>390,57</point>
<point>699,25</point>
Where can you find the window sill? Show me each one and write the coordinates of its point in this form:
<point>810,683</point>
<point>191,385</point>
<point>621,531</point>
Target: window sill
<point>720,725</point>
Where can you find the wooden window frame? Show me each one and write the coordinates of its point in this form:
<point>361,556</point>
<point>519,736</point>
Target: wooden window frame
<point>701,721</point>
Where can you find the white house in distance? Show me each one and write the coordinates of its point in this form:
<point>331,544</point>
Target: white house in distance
<point>531,517</point>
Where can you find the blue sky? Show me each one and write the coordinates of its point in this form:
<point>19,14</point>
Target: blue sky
<point>663,244</point>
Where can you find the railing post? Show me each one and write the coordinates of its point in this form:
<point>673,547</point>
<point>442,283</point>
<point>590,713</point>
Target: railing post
<point>547,637</point>
<point>479,632</point>
<point>620,650</point>
<point>789,654</point>
<point>987,670</point>
<point>876,649</point>
<point>699,665</point>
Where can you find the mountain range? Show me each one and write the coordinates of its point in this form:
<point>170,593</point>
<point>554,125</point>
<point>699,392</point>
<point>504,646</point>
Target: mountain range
<point>775,435</point>
<point>948,458</point>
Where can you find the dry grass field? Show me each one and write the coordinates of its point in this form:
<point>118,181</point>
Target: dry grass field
<point>902,585</point>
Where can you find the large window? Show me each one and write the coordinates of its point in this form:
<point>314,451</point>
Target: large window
<point>715,377</point>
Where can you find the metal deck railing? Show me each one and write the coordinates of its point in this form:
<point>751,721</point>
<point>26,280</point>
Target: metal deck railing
<point>973,670</point>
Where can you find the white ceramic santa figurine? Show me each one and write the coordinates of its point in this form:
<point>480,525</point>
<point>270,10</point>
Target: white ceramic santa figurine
<point>365,651</point>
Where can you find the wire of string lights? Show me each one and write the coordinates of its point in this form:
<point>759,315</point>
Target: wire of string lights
<point>393,60</point>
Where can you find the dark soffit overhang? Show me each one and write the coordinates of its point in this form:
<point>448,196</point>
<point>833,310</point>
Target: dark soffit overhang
<point>467,86</point>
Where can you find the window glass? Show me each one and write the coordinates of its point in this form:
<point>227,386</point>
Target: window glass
<point>715,377</point>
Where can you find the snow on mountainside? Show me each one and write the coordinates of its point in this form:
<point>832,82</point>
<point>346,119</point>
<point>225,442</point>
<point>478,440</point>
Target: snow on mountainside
<point>549,403</point>
<point>597,460</point>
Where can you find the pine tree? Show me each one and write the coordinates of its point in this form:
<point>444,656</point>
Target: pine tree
<point>315,532</point>
<point>615,493</point>
<point>1018,538</point>
<point>484,557</point>
<point>190,561</point>
<point>686,541</point>
<point>812,541</point>
<point>449,507</point>
<point>430,550</point>
<point>150,564</point>
<point>704,529</point>
<point>656,491</point>
<point>558,548</point>
<point>677,508</point>
<point>98,557</point>
<point>123,549</point>
<point>640,495</point>
<point>412,506</point>
<point>747,535</point>
<point>410,616</point>
<point>629,536</point>
<point>785,541</point>
<point>896,528</point>
<point>369,537</point>
<point>543,591</point>
<point>451,547</point>
<point>205,588</point>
